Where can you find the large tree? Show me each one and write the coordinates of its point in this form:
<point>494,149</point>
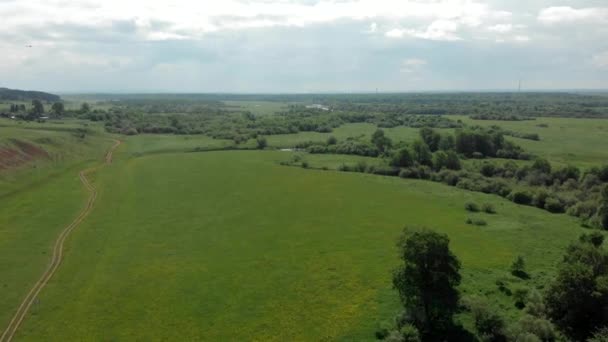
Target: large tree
<point>577,300</point>
<point>58,109</point>
<point>382,142</point>
<point>427,280</point>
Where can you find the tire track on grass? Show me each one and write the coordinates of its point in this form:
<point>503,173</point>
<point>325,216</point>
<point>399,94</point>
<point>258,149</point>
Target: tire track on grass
<point>57,251</point>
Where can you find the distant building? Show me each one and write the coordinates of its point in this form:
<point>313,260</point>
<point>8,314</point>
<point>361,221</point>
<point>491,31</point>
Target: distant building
<point>317,106</point>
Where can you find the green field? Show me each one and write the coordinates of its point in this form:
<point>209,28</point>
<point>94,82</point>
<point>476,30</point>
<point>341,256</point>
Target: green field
<point>231,245</point>
<point>581,142</point>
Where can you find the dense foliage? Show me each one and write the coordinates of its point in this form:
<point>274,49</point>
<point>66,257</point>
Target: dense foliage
<point>427,281</point>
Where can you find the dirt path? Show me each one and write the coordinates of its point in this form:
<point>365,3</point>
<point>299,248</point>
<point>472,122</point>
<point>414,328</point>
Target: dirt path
<point>57,252</point>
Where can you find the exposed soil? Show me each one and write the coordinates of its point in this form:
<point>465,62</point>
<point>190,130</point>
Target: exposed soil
<point>22,153</point>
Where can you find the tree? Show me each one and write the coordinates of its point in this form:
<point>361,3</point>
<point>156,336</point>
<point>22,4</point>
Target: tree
<point>446,143</point>
<point>602,211</point>
<point>36,111</point>
<point>577,299</point>
<point>542,165</point>
<point>85,108</point>
<point>402,158</point>
<point>37,107</point>
<point>518,268</point>
<point>490,326</point>
<point>262,143</point>
<point>382,142</point>
<point>448,160</point>
<point>58,109</point>
<point>421,153</point>
<point>427,280</point>
<point>431,138</point>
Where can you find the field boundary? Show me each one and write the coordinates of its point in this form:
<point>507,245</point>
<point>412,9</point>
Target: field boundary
<point>57,250</point>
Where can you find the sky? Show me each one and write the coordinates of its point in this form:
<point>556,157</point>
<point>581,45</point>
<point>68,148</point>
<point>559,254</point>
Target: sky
<point>302,46</point>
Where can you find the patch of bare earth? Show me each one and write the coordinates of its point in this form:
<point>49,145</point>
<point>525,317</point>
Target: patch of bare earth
<point>21,154</point>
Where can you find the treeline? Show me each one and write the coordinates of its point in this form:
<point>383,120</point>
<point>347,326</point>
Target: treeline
<point>37,111</point>
<point>27,95</point>
<point>569,309</point>
<point>437,157</point>
<point>501,117</point>
<point>222,122</point>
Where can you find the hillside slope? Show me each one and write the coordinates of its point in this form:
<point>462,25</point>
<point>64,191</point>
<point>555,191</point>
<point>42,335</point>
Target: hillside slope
<point>26,95</point>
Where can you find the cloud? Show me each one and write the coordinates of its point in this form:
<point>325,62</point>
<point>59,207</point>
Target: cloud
<point>501,28</point>
<point>411,65</point>
<point>195,19</point>
<point>373,28</point>
<point>600,60</point>
<point>300,45</point>
<point>437,30</point>
<point>566,14</point>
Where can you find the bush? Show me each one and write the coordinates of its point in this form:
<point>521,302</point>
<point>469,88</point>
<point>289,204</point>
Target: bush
<point>521,197</point>
<point>332,140</point>
<point>488,323</point>
<point>305,165</point>
<point>402,158</point>
<point>261,143</point>
<point>518,268</point>
<point>409,333</point>
<point>383,330</point>
<point>540,198</point>
<point>477,155</point>
<point>520,295</point>
<point>476,222</point>
<point>472,207</point>
<point>488,208</point>
<point>554,205</point>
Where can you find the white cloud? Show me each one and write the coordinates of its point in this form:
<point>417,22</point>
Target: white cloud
<point>193,19</point>
<point>411,65</point>
<point>373,28</point>
<point>501,28</point>
<point>600,60</point>
<point>566,14</point>
<point>437,30</point>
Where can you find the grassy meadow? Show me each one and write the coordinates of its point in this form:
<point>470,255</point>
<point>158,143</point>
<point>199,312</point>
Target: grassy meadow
<point>38,199</point>
<point>186,246</point>
<point>231,245</point>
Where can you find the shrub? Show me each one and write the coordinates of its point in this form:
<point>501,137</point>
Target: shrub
<point>316,149</point>
<point>402,158</point>
<point>487,169</point>
<point>476,222</point>
<point>383,330</point>
<point>472,207</point>
<point>540,198</point>
<point>477,155</point>
<point>554,205</point>
<point>521,197</point>
<point>409,333</point>
<point>520,296</point>
<point>305,165</point>
<point>488,208</point>
<point>488,323</point>
<point>518,268</point>
<point>261,143</point>
<point>332,140</point>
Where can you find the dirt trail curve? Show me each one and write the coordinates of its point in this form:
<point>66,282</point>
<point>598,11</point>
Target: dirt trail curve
<point>57,252</point>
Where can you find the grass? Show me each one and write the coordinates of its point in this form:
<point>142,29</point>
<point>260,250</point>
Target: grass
<point>189,247</point>
<point>231,245</point>
<point>580,142</point>
<point>37,200</point>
